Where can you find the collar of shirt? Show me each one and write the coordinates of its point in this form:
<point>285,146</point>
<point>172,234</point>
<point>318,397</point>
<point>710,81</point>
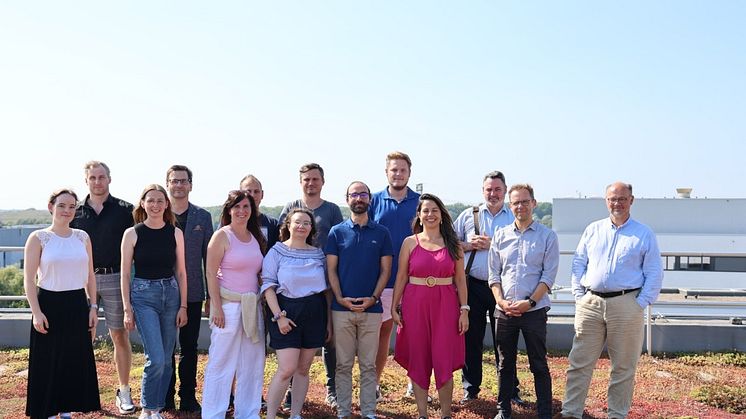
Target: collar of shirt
<point>410,194</point>
<point>370,224</point>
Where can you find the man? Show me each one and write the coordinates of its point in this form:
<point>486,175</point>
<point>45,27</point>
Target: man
<point>270,225</point>
<point>616,273</point>
<point>358,259</point>
<point>326,214</point>
<point>105,218</point>
<point>492,215</point>
<point>196,223</point>
<point>394,207</point>
<point>523,262</point>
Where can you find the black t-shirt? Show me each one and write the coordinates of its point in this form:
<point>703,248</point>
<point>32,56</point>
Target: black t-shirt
<point>181,219</point>
<point>105,229</point>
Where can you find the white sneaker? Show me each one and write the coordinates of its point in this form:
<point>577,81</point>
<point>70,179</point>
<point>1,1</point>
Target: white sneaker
<point>156,415</point>
<point>123,401</point>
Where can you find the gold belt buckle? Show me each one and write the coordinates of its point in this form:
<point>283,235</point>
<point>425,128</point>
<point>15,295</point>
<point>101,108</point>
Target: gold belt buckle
<point>430,281</point>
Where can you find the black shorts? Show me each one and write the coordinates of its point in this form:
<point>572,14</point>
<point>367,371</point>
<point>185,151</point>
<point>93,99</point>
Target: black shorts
<point>309,315</point>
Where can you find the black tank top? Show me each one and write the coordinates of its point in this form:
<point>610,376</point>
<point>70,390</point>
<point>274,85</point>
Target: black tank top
<point>155,252</point>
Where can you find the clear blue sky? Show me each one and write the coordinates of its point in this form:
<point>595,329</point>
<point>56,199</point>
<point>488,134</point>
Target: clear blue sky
<point>568,96</point>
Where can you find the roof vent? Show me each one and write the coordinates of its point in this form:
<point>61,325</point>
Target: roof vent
<point>684,192</point>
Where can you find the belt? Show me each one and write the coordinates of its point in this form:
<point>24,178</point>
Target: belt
<point>104,271</point>
<point>614,293</point>
<point>430,281</point>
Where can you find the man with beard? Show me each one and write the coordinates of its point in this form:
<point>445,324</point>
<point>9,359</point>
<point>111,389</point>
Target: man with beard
<point>358,256</point>
<point>492,215</point>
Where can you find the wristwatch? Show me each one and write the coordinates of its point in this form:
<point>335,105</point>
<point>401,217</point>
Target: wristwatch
<point>531,302</point>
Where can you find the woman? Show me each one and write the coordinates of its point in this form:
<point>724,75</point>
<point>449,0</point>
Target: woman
<point>295,287</point>
<point>62,371</point>
<point>433,314</point>
<point>234,261</point>
<point>155,299</point>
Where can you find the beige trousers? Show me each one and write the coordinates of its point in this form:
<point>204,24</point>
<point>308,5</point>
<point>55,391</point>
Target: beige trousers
<point>618,322</point>
<point>356,334</point>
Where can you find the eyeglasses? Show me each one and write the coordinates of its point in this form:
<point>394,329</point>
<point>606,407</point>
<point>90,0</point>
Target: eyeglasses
<point>621,200</point>
<point>301,223</point>
<point>525,203</point>
<point>361,195</point>
<point>178,181</point>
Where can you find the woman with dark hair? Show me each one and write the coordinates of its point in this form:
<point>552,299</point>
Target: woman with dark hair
<point>234,261</point>
<point>429,304</point>
<point>59,281</point>
<point>155,299</point>
<point>298,302</point>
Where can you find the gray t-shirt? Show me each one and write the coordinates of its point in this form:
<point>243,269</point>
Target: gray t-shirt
<point>326,216</point>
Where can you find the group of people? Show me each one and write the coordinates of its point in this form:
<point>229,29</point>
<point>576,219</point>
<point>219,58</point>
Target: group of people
<point>312,280</point>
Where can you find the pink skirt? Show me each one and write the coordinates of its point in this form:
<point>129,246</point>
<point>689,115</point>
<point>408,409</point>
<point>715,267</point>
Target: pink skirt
<point>429,340</point>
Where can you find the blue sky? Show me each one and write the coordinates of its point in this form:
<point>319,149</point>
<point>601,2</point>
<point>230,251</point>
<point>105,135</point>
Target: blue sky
<point>568,96</point>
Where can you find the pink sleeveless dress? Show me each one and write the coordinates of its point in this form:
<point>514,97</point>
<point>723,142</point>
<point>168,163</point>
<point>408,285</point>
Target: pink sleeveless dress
<point>429,340</point>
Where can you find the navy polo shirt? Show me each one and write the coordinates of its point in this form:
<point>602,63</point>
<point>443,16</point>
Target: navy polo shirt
<point>359,250</point>
<point>397,217</point>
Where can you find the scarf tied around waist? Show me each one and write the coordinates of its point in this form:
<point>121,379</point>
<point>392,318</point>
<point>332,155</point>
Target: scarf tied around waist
<point>248,302</point>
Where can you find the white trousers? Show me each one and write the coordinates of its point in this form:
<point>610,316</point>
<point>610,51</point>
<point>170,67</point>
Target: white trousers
<point>234,354</point>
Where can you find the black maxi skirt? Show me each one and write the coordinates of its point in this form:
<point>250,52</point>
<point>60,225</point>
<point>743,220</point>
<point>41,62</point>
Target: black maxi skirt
<point>62,370</point>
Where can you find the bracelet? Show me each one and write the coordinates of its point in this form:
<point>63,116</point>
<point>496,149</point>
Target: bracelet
<point>184,307</point>
<point>375,299</point>
<point>278,316</point>
<point>465,307</point>
<point>93,306</point>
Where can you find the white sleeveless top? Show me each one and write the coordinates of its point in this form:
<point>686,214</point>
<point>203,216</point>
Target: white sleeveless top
<point>64,261</point>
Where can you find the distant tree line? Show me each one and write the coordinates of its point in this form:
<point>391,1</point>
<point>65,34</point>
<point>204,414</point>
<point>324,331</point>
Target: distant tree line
<point>542,213</point>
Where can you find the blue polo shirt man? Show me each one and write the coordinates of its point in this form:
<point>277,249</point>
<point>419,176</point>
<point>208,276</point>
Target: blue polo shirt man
<point>394,207</point>
<point>358,254</point>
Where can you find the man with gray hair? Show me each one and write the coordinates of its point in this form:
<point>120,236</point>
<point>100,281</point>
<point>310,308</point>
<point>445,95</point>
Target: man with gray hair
<point>616,273</point>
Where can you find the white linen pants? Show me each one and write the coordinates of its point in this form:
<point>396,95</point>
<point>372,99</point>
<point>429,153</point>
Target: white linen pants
<point>232,353</point>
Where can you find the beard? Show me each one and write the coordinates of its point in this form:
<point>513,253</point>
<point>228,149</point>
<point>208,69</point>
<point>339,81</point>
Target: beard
<point>360,208</point>
<point>398,188</point>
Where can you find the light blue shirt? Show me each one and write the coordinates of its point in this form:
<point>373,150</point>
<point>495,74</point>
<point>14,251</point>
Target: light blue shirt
<point>488,224</point>
<point>611,258</point>
<point>294,273</point>
<point>519,262</point>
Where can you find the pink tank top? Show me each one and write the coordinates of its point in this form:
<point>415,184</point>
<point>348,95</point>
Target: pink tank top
<point>241,264</point>
<point>424,263</point>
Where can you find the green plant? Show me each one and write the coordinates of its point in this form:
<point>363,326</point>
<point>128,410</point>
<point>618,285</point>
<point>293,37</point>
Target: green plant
<point>729,398</point>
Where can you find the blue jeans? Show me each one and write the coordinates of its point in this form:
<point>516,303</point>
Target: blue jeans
<point>155,303</point>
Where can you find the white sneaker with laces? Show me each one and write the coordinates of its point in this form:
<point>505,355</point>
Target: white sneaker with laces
<point>123,401</point>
